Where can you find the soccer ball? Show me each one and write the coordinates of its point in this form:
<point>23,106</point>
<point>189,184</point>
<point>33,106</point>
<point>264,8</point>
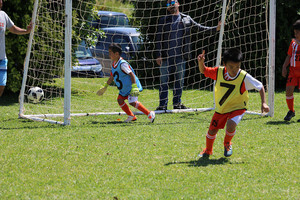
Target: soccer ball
<point>35,95</point>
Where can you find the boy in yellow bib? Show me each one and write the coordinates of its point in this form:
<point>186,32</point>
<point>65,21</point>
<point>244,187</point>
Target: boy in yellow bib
<point>231,96</point>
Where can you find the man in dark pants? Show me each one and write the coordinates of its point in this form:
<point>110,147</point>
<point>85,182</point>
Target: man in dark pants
<point>173,47</point>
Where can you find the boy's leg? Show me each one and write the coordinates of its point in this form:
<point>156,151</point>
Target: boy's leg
<point>290,97</point>
<point>135,103</point>
<point>126,109</point>
<point>234,119</point>
<point>218,122</point>
<point>210,139</point>
<point>290,102</point>
<point>230,131</point>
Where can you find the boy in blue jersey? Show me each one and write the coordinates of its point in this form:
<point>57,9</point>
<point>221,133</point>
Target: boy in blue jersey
<point>127,82</point>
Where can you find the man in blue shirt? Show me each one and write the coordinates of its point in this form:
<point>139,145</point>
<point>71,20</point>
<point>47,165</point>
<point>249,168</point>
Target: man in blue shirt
<point>173,48</point>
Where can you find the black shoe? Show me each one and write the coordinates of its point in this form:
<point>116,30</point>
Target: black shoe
<point>161,108</point>
<point>298,120</point>
<point>289,115</point>
<point>204,154</point>
<point>180,106</point>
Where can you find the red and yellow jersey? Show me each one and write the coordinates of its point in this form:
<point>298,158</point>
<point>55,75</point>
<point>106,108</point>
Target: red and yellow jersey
<point>294,52</point>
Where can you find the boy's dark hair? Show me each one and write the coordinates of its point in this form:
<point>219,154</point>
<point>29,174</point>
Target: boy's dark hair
<point>233,55</point>
<point>114,47</point>
<point>296,25</point>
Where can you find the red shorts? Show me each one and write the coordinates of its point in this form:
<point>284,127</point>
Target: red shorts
<point>219,120</point>
<point>294,78</point>
<point>121,97</point>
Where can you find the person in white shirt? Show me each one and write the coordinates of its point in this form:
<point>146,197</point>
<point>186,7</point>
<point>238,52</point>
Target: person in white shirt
<point>7,23</point>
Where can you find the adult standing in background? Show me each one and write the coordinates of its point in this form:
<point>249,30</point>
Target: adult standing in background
<point>7,23</point>
<point>173,41</point>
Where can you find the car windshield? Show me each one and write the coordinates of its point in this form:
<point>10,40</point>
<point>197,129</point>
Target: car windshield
<point>113,21</point>
<point>136,42</point>
<point>83,52</point>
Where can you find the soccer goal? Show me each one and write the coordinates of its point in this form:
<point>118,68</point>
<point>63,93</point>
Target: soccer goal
<point>67,54</point>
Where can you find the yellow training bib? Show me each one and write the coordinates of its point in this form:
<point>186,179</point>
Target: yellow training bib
<point>228,94</point>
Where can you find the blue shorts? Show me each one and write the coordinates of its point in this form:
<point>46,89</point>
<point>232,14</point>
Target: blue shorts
<point>3,72</point>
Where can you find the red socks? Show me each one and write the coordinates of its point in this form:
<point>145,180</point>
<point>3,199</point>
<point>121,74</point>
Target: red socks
<point>211,138</point>
<point>290,103</point>
<point>142,108</point>
<point>209,143</point>
<point>126,109</point>
<point>138,105</point>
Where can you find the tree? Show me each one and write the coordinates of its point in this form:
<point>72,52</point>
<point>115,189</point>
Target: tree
<point>287,13</point>
<point>16,45</point>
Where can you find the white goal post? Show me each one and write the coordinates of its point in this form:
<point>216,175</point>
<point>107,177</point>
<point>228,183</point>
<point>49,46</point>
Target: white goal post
<point>68,46</point>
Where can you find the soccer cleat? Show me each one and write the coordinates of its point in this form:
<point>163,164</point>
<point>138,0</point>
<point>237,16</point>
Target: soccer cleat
<point>161,108</point>
<point>130,119</point>
<point>289,115</point>
<point>151,116</point>
<point>298,120</point>
<point>180,106</point>
<point>228,149</point>
<point>204,154</point>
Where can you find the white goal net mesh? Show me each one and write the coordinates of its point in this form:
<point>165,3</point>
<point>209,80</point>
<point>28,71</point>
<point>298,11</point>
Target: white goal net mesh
<point>138,26</point>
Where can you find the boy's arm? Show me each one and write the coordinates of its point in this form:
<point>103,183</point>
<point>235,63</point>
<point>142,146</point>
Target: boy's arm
<point>201,64</point>
<point>209,72</point>
<point>103,89</point>
<point>110,80</point>
<point>285,64</point>
<point>132,77</point>
<point>264,106</point>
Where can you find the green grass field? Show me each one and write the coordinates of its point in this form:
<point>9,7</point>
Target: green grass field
<point>99,157</point>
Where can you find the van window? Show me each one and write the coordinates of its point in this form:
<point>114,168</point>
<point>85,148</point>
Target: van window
<point>122,40</point>
<point>112,21</point>
<point>82,51</point>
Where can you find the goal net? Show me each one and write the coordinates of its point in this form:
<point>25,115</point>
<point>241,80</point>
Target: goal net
<point>68,58</point>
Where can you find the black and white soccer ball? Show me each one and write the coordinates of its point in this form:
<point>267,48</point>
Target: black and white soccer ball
<point>35,95</point>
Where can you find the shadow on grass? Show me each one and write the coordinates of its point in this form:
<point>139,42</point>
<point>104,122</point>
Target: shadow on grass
<point>9,99</point>
<point>202,162</point>
<point>282,122</point>
<point>157,123</point>
<point>10,124</point>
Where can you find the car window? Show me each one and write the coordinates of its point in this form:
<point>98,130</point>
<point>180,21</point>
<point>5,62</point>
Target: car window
<point>82,51</point>
<point>136,42</point>
<point>112,21</point>
<point>122,21</point>
<point>122,40</point>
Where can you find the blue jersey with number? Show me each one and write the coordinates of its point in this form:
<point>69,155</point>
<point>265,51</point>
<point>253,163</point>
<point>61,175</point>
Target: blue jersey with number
<point>122,79</point>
